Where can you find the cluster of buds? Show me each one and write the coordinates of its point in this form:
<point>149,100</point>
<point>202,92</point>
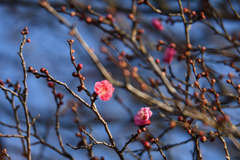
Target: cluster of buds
<point>203,136</point>
<point>81,87</point>
<point>77,74</point>
<point>79,66</point>
<point>45,71</point>
<point>155,82</point>
<point>193,15</point>
<point>37,75</point>
<point>25,32</point>
<point>35,72</point>
<point>190,130</point>
<point>89,20</point>
<point>16,86</point>
<point>224,118</point>
<point>154,140</point>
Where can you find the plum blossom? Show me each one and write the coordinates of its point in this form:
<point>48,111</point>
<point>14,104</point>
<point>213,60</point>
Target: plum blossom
<point>169,53</point>
<point>157,24</point>
<point>142,117</point>
<point>104,90</point>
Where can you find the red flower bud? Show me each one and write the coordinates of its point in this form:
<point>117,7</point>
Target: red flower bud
<point>157,24</point>
<point>50,84</point>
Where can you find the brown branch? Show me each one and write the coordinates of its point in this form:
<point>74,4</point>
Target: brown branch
<point>12,136</point>
<point>234,11</point>
<point>225,147</point>
<point>15,109</point>
<point>131,140</point>
<point>24,98</point>
<point>160,150</point>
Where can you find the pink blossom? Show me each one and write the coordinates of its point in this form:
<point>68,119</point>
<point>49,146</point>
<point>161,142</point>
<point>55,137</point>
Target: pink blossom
<point>169,53</point>
<point>142,117</point>
<point>157,24</point>
<point>104,90</point>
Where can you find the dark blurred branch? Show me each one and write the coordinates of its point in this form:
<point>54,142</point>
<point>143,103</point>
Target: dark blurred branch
<point>234,11</point>
<point>221,5</point>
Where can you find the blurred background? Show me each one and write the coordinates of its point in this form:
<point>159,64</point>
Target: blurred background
<point>49,49</point>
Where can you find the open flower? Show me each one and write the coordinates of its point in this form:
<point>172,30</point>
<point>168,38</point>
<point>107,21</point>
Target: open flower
<point>169,53</point>
<point>157,24</point>
<point>104,90</point>
<point>142,117</point>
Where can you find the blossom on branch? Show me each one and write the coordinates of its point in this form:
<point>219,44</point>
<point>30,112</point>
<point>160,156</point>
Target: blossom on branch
<point>104,90</point>
<point>142,117</point>
<point>157,24</point>
<point>169,53</point>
